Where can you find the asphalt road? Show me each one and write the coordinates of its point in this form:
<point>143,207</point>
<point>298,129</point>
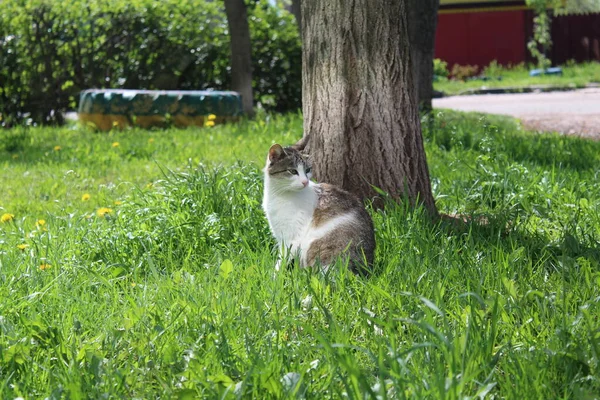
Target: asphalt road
<point>574,112</point>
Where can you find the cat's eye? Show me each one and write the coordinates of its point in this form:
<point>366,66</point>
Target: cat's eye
<point>293,171</point>
<point>308,170</point>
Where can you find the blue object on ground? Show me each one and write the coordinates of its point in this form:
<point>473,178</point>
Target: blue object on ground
<point>549,71</point>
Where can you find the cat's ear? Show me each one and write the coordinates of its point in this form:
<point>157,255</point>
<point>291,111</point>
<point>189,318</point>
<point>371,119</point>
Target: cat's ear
<point>276,153</point>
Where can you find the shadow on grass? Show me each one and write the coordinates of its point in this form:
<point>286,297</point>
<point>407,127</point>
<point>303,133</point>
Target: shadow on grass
<point>494,229</point>
<point>495,134</point>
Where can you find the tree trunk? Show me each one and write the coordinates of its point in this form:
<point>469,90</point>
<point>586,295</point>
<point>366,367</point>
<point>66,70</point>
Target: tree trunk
<point>241,52</point>
<point>296,9</point>
<point>359,101</point>
<point>422,23</point>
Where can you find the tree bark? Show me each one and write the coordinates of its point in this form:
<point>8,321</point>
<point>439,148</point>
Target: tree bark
<point>422,23</point>
<point>359,101</point>
<point>241,52</point>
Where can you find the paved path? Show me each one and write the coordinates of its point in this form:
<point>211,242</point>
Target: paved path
<point>574,112</point>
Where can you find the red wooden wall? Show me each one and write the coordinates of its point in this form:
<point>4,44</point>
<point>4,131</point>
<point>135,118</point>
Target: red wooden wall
<point>575,37</point>
<point>477,38</point>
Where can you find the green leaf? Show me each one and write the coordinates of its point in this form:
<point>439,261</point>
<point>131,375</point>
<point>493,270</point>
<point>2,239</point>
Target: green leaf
<point>222,379</point>
<point>226,268</point>
<point>187,394</point>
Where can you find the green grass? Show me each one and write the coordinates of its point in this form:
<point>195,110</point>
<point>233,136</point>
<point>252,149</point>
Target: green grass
<point>574,76</point>
<point>173,293</point>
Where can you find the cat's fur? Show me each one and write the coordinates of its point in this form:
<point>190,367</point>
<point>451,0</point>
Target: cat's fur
<point>314,222</point>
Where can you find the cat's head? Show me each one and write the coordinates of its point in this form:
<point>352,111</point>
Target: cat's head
<point>287,169</point>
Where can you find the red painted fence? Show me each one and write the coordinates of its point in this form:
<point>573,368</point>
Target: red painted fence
<point>479,37</point>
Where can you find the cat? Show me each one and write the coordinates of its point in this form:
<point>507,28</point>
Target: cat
<point>316,222</point>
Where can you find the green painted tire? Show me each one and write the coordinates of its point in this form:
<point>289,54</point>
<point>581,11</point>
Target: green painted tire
<point>119,108</point>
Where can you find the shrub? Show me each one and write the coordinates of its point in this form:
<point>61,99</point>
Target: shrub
<point>276,57</point>
<point>50,51</point>
<point>462,72</point>
<point>440,68</point>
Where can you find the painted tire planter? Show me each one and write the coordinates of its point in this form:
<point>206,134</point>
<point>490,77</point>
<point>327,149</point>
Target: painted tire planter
<point>119,108</point>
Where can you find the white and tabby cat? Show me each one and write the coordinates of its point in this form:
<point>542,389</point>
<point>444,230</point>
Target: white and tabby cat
<point>314,222</point>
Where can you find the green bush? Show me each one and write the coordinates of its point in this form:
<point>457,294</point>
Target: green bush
<point>462,72</point>
<point>276,57</point>
<point>50,51</point>
<point>440,68</point>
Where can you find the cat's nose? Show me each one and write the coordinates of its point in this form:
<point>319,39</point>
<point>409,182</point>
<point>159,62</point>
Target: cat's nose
<point>305,182</point>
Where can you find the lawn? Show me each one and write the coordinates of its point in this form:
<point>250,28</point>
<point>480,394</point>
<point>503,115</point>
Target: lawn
<point>139,264</point>
<point>515,77</point>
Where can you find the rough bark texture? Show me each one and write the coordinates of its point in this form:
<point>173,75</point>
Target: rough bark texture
<point>358,98</point>
<point>422,23</point>
<point>241,52</point>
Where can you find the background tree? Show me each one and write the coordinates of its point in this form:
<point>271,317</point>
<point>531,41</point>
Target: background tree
<point>296,9</point>
<point>241,52</point>
<point>422,23</point>
<point>361,120</point>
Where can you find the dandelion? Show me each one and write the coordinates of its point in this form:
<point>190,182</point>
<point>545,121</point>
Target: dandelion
<point>22,246</point>
<point>85,197</point>
<point>103,211</point>
<point>212,117</point>
<point>57,148</point>
<point>209,123</point>
<point>118,203</point>
<point>133,284</point>
<point>115,144</point>
<point>149,185</point>
<point>151,140</point>
<point>7,217</point>
<point>45,266</point>
<point>40,225</point>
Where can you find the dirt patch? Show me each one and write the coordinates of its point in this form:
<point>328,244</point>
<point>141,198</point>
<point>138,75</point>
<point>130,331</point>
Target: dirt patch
<point>583,125</point>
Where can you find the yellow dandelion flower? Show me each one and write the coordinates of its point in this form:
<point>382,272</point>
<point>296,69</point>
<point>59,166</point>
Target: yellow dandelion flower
<point>209,123</point>
<point>22,246</point>
<point>57,148</point>
<point>103,211</point>
<point>212,117</point>
<point>45,266</point>
<point>85,197</point>
<point>151,140</point>
<point>39,224</point>
<point>118,203</point>
<point>115,144</point>
<point>7,217</point>
<point>133,284</point>
<point>149,185</point>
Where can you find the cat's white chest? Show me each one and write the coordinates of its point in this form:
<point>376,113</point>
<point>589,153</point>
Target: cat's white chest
<point>290,215</point>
